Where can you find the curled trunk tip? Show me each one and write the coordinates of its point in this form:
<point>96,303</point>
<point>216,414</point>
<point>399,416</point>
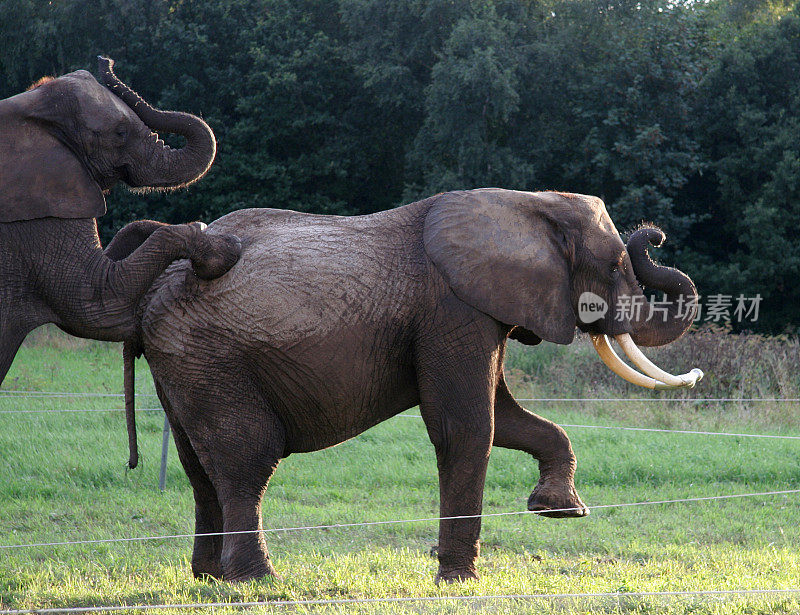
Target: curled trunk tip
<point>680,292</point>
<point>646,234</point>
<point>105,67</point>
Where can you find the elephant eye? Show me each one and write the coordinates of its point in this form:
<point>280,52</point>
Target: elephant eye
<point>122,132</point>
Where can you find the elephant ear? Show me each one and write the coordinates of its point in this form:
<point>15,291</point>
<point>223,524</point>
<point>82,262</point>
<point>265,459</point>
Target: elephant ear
<point>503,253</point>
<point>40,177</point>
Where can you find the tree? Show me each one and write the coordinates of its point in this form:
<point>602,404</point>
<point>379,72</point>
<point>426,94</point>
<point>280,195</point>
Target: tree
<point>749,120</point>
<point>471,107</point>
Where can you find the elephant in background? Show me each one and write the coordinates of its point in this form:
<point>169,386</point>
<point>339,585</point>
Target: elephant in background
<point>63,143</point>
<point>329,325</point>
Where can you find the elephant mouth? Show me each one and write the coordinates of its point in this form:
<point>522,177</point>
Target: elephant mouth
<point>124,174</point>
<point>653,378</point>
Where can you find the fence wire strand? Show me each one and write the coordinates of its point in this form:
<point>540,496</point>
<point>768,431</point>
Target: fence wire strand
<point>13,393</point>
<point>687,400</point>
<point>685,431</point>
<point>656,430</point>
<point>73,410</point>
<point>411,599</point>
<point>417,416</point>
<point>398,521</point>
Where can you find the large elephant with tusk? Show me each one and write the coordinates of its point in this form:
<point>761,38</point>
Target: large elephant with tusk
<point>329,325</point>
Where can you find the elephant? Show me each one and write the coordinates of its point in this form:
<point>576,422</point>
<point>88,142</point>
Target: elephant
<point>63,143</point>
<point>328,325</point>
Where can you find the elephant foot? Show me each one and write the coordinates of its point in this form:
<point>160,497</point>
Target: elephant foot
<point>253,576</point>
<point>237,573</point>
<point>214,255</point>
<point>207,570</point>
<point>558,501</point>
<point>456,576</point>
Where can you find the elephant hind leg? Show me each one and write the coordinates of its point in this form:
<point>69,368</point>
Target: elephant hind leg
<point>207,552</point>
<point>241,476</point>
<point>516,428</point>
<point>239,442</point>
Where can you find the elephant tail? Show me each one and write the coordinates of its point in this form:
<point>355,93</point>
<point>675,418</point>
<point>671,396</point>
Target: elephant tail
<point>128,357</point>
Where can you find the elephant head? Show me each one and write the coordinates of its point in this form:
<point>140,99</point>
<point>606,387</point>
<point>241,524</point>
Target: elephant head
<point>87,138</point>
<point>63,143</point>
<point>534,261</point>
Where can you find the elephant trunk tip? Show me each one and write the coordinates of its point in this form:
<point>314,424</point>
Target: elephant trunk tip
<point>105,66</point>
<point>647,233</point>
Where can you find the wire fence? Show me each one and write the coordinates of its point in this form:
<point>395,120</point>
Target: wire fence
<point>421,599</point>
<point>656,430</point>
<point>399,521</point>
<point>60,410</point>
<point>417,416</point>
<point>34,394</point>
<point>30,394</point>
<point>689,400</point>
<point>685,431</point>
<point>414,599</point>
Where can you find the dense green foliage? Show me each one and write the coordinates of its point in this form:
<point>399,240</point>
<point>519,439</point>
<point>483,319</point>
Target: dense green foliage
<point>680,112</point>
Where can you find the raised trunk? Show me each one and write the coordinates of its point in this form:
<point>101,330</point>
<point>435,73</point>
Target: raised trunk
<point>665,323</point>
<point>167,167</point>
<point>88,294</point>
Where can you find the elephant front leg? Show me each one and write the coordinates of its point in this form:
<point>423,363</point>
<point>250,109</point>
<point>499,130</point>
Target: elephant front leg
<point>11,338</point>
<point>519,429</point>
<point>462,474</point>
<point>459,423</point>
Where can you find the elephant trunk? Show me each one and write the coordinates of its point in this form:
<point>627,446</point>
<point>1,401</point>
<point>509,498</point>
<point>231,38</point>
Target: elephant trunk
<point>167,167</point>
<point>657,327</point>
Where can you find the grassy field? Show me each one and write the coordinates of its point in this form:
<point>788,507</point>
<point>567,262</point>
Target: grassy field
<point>62,478</point>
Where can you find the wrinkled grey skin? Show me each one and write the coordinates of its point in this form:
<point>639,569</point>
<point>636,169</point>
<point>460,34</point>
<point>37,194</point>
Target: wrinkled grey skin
<point>329,325</point>
<point>62,144</point>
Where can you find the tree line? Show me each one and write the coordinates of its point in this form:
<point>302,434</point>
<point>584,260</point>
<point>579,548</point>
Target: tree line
<point>684,113</point>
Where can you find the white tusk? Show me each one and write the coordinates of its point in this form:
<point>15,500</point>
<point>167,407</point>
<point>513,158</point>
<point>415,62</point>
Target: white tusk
<point>626,372</point>
<point>654,371</point>
<point>618,366</point>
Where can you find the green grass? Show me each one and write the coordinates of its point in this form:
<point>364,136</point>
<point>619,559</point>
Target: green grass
<point>62,477</point>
